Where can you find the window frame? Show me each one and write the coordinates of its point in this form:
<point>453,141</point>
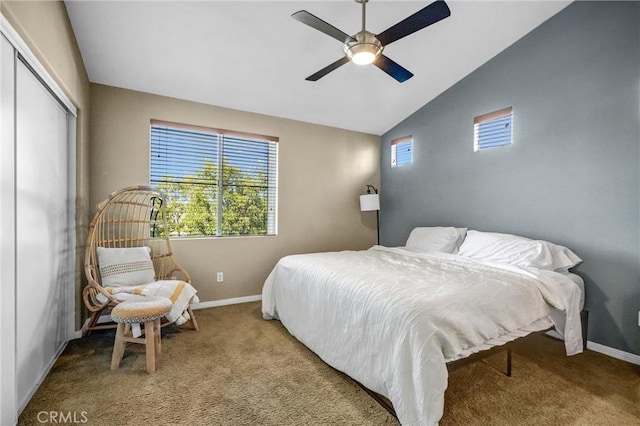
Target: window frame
<point>394,147</point>
<point>492,117</point>
<point>219,135</point>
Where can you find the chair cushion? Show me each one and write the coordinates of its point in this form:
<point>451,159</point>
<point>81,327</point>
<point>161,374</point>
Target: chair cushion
<point>125,266</point>
<point>144,309</point>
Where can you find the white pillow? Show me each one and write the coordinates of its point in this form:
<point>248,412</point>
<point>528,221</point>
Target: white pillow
<point>125,266</point>
<point>518,251</point>
<point>436,238</point>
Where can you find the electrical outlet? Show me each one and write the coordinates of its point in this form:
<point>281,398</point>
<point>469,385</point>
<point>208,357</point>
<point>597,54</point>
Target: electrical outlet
<point>220,277</point>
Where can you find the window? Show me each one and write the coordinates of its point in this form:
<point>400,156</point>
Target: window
<point>402,151</point>
<point>493,129</point>
<point>218,182</point>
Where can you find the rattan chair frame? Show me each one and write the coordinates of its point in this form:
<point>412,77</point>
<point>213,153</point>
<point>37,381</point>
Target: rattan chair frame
<point>130,217</point>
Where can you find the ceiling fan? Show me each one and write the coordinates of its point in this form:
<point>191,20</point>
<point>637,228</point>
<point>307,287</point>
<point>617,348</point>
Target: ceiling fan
<point>365,47</point>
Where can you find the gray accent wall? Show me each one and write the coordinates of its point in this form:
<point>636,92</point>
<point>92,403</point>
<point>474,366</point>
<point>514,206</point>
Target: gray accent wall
<point>572,174</point>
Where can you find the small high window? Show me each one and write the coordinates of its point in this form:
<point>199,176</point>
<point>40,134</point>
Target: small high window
<point>493,129</point>
<point>401,151</point>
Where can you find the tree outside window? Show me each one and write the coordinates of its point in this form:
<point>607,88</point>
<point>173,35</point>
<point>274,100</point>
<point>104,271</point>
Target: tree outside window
<point>217,184</point>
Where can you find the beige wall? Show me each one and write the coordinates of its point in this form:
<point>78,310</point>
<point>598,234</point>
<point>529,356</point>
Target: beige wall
<point>45,27</point>
<point>322,170</point>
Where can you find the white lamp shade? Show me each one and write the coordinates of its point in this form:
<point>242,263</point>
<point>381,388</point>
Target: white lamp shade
<point>369,202</point>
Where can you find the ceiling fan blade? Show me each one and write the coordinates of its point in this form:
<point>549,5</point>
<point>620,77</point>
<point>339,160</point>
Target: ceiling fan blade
<point>431,14</point>
<point>326,70</point>
<point>395,70</point>
<point>322,26</point>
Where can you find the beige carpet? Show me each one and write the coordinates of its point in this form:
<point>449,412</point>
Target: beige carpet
<point>241,370</point>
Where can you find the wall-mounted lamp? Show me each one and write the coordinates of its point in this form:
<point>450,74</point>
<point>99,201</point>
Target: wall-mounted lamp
<point>369,202</point>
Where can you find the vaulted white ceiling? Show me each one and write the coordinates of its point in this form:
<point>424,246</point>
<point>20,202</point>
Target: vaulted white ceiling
<point>252,56</point>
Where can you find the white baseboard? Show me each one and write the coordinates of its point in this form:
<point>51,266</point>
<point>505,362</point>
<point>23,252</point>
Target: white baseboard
<point>103,319</point>
<point>614,353</point>
<point>224,302</point>
<point>203,305</point>
<point>606,350</point>
<point>554,334</point>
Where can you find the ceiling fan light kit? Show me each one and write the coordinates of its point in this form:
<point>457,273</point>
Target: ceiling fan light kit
<point>364,50</point>
<point>365,47</point>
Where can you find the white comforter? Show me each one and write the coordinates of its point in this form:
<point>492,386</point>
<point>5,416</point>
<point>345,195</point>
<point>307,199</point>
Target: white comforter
<point>391,319</point>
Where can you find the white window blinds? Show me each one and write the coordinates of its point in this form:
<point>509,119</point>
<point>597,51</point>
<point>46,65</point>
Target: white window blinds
<point>402,151</point>
<point>218,183</point>
<point>493,129</point>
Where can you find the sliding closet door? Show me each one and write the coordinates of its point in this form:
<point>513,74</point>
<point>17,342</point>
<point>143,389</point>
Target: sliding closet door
<point>43,247</point>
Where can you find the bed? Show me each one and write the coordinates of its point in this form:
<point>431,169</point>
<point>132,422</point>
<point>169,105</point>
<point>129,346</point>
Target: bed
<point>393,317</point>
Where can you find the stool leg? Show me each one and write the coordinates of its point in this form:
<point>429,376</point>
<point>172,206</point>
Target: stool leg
<point>194,323</point>
<point>158,336</point>
<point>149,337</point>
<point>118,347</point>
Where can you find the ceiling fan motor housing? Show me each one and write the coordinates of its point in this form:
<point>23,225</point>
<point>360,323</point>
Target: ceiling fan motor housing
<point>364,50</point>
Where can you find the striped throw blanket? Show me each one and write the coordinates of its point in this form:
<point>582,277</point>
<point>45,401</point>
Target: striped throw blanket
<point>181,294</point>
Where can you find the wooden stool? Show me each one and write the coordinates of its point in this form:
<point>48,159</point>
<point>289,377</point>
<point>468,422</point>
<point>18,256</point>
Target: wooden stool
<point>144,310</point>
